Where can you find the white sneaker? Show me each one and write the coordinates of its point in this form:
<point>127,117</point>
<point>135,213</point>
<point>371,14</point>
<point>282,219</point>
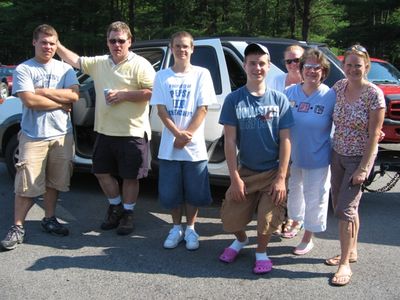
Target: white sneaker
<point>192,239</point>
<point>174,237</point>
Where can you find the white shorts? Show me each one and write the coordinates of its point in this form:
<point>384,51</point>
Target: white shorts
<point>308,197</point>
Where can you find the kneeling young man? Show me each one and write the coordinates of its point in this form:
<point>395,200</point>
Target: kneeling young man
<point>256,122</point>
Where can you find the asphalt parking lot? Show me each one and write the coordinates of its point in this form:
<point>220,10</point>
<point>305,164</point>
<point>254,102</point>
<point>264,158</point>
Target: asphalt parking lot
<point>94,264</point>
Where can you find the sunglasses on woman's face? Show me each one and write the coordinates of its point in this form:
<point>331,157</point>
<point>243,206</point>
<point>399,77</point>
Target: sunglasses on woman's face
<point>315,67</point>
<point>293,60</point>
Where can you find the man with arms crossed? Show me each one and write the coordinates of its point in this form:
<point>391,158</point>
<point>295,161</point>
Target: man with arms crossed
<point>46,87</point>
<point>123,82</point>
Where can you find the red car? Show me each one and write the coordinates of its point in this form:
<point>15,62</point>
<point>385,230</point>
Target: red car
<point>6,73</point>
<point>387,78</point>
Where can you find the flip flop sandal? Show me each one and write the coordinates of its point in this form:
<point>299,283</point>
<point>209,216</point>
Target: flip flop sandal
<point>334,261</point>
<point>344,282</point>
<point>262,266</point>
<point>229,255</point>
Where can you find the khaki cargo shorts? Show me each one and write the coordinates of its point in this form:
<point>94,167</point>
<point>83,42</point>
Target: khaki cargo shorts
<point>236,215</point>
<point>43,163</point>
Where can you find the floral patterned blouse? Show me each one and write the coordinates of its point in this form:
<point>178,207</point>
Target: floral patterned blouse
<point>351,119</point>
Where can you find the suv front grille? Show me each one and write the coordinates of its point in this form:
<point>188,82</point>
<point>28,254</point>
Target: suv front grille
<point>393,110</point>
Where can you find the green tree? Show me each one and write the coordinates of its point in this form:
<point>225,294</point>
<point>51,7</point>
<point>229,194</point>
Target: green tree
<point>377,28</point>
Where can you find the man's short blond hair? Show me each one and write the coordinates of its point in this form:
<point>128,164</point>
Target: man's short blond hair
<point>119,26</point>
<point>44,29</point>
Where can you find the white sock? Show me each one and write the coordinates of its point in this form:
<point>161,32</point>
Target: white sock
<point>190,227</point>
<point>115,201</point>
<point>129,206</point>
<point>237,246</point>
<point>261,256</point>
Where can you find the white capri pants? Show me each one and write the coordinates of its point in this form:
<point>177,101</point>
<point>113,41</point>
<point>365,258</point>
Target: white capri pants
<point>308,197</point>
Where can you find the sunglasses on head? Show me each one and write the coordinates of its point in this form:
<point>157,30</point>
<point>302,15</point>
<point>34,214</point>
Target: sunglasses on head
<point>119,41</point>
<point>294,60</point>
<point>358,48</point>
<point>315,67</point>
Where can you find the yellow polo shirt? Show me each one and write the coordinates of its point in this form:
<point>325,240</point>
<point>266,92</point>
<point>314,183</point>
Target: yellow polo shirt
<point>125,118</point>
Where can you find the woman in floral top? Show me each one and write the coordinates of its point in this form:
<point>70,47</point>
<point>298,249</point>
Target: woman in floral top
<point>358,117</point>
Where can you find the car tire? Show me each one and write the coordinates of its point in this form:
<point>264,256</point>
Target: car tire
<point>3,90</point>
<point>11,155</point>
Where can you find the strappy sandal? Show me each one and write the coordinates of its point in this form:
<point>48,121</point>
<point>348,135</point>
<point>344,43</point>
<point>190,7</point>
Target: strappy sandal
<point>292,231</point>
<point>288,224</point>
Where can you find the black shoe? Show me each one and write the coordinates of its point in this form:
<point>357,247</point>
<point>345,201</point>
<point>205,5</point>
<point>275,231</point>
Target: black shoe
<point>113,216</point>
<point>14,237</point>
<point>126,225</point>
<point>51,225</point>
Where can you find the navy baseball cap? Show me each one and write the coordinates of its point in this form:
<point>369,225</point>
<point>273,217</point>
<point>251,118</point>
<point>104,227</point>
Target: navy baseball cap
<point>254,48</point>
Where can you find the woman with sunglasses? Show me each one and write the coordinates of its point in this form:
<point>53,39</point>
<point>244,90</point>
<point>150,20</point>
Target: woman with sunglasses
<point>358,117</point>
<point>312,105</point>
<point>291,59</point>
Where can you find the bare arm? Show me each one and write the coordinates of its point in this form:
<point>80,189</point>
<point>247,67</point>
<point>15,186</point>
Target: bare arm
<point>279,186</point>
<point>68,56</point>
<point>195,122</point>
<point>183,137</point>
<point>237,189</point>
<point>117,96</point>
<point>197,118</point>
<point>67,95</point>
<point>38,102</point>
<point>376,118</point>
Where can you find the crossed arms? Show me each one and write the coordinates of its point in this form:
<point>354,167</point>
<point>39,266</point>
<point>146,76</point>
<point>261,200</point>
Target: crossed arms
<point>49,99</point>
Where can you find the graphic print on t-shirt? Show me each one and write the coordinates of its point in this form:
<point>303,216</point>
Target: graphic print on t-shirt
<point>319,109</point>
<point>180,94</point>
<point>303,107</point>
<point>256,116</point>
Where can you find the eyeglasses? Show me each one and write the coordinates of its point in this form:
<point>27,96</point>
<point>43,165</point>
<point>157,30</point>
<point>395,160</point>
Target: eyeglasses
<point>119,41</point>
<point>294,60</point>
<point>358,48</point>
<point>315,67</point>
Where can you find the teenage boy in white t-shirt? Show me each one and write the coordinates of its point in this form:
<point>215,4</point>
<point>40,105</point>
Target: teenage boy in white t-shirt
<point>182,94</point>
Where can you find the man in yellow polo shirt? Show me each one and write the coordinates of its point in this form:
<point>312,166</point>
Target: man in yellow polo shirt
<point>123,81</point>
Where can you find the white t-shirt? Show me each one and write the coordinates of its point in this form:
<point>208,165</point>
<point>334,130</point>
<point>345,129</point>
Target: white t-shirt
<point>278,82</point>
<point>182,94</point>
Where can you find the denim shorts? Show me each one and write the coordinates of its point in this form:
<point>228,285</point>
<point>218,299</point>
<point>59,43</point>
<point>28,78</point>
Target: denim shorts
<point>183,182</point>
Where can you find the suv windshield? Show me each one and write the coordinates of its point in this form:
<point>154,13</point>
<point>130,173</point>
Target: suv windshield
<point>383,72</point>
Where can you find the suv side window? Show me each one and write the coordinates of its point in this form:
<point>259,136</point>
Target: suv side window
<point>237,75</point>
<point>154,55</point>
<point>206,57</point>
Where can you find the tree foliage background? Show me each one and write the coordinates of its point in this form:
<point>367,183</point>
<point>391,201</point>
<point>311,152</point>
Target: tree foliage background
<point>82,24</point>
